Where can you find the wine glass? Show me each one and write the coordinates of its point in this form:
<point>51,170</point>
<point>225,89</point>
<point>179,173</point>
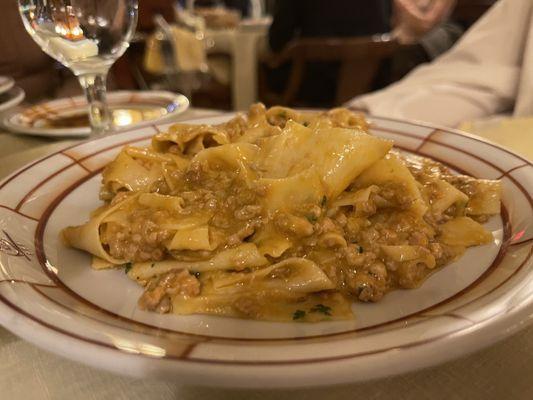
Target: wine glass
<point>86,36</point>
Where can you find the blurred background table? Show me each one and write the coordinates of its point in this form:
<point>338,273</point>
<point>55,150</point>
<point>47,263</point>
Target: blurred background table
<point>240,66</point>
<point>502,371</point>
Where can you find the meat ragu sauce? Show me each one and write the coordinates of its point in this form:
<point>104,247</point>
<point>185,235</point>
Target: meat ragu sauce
<point>382,232</point>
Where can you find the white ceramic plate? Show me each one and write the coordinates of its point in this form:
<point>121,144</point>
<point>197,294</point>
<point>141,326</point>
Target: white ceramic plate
<point>50,296</point>
<point>11,98</point>
<point>6,83</point>
<point>38,119</point>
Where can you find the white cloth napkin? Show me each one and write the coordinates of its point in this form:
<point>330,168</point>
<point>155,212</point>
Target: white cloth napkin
<point>489,71</point>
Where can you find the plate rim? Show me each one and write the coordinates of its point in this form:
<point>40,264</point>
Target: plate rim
<point>57,200</point>
<point>207,374</point>
<point>10,119</point>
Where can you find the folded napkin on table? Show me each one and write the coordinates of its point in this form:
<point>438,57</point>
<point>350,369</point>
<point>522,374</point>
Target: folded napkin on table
<point>489,71</point>
<point>190,54</point>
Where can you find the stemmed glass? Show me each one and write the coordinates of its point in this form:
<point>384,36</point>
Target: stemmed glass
<point>87,36</point>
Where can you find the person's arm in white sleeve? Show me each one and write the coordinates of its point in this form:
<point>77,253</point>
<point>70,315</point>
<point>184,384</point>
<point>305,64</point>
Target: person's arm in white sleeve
<point>479,76</point>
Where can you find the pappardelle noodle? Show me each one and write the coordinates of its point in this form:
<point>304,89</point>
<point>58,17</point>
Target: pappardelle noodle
<point>280,215</point>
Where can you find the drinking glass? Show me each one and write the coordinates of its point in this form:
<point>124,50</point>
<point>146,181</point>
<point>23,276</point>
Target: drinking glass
<point>86,36</point>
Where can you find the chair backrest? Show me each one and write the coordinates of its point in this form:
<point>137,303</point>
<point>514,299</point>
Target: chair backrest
<point>359,60</point>
<point>342,49</point>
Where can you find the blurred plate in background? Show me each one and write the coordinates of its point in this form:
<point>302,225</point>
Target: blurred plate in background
<point>11,98</point>
<point>6,83</point>
<point>69,116</point>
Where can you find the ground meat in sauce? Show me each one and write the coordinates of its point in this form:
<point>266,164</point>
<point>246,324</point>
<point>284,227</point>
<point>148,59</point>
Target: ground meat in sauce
<point>247,306</point>
<point>204,189</point>
<point>357,266</point>
<point>156,295</point>
<point>142,239</point>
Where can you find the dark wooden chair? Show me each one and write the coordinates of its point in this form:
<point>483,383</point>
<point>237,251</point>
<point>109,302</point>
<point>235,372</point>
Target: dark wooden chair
<point>468,12</point>
<point>359,58</point>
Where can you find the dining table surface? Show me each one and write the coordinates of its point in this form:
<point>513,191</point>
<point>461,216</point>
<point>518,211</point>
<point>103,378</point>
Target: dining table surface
<point>502,371</point>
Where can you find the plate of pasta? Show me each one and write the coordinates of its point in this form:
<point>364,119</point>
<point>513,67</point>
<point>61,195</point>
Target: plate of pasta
<point>244,249</point>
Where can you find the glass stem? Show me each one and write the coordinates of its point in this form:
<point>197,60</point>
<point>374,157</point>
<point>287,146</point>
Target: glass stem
<point>94,86</point>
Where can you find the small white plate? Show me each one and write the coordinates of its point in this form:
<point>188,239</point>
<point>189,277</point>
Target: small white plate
<point>6,83</point>
<point>130,108</point>
<point>50,296</point>
<point>11,98</point>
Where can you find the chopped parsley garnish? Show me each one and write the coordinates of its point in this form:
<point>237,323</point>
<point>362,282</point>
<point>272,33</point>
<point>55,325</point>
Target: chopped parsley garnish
<point>152,265</point>
<point>282,114</point>
<point>298,314</point>
<point>321,308</point>
<point>128,267</point>
<point>323,202</point>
